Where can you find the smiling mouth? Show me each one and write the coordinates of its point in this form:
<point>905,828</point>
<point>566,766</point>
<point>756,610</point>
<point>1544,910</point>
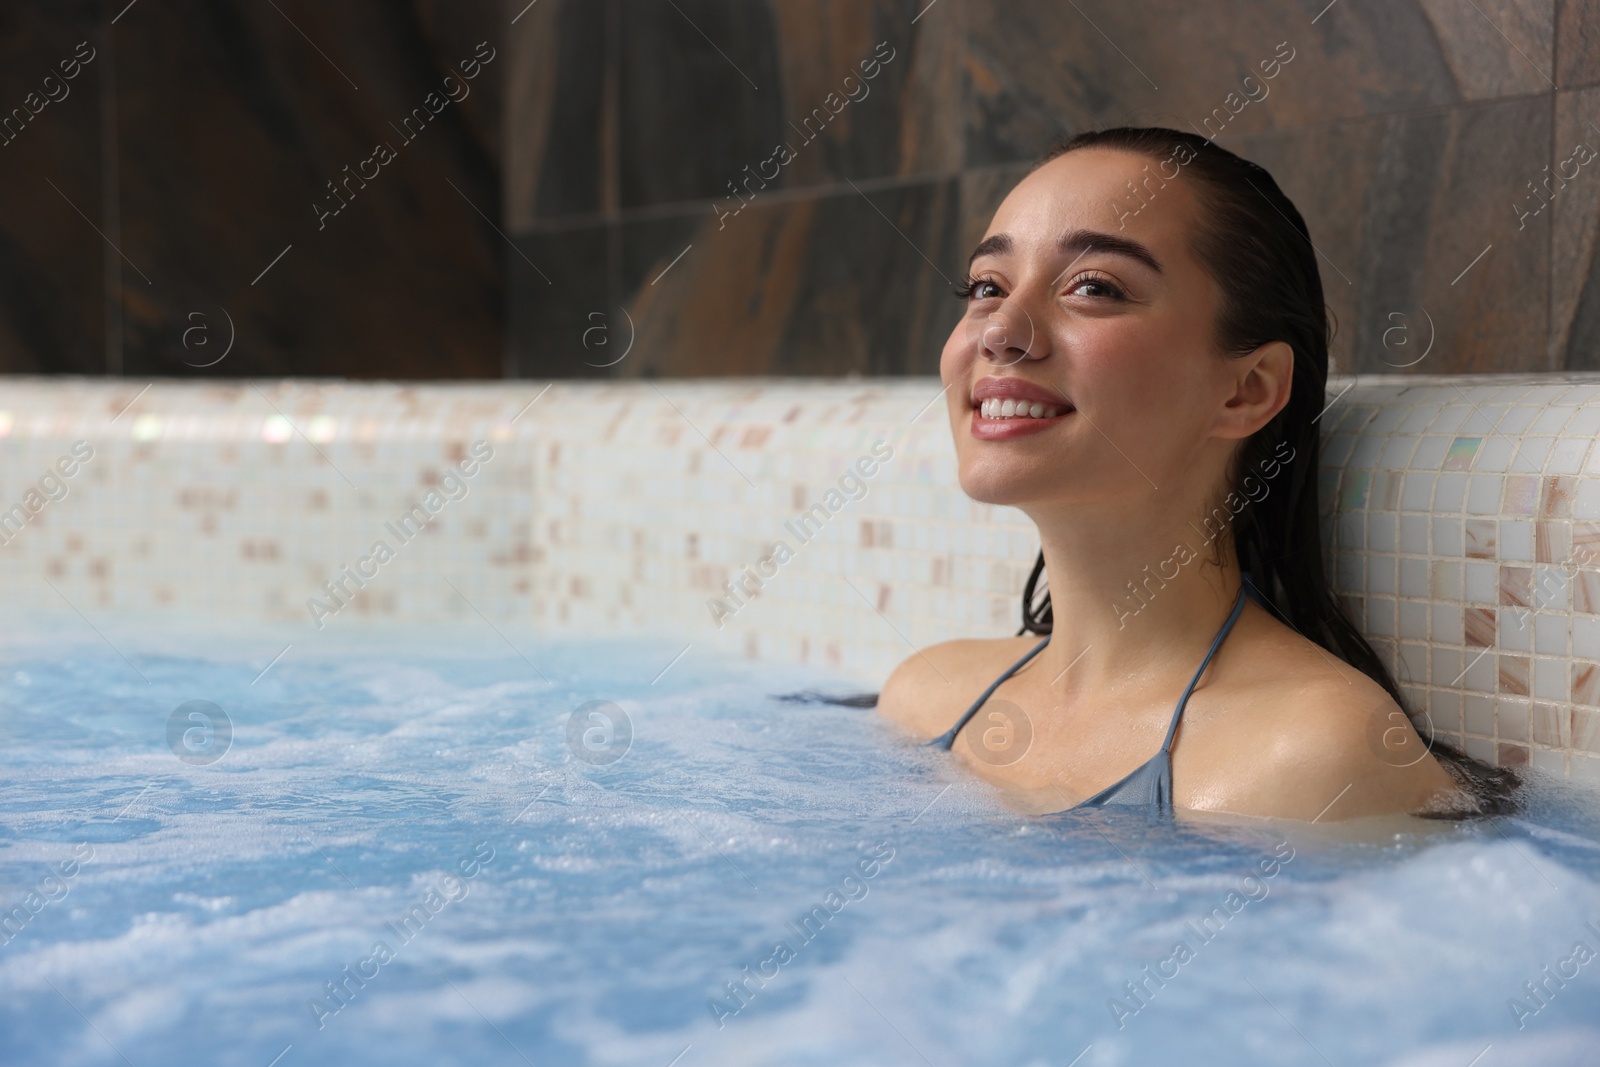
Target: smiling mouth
<point>996,408</point>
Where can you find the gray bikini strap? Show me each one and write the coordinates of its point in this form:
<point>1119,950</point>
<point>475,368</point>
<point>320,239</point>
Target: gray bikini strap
<point>1216,643</point>
<point>949,738</point>
<point>1246,586</point>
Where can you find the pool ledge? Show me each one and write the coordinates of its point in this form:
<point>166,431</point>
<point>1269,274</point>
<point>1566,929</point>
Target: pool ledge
<point>1462,513</point>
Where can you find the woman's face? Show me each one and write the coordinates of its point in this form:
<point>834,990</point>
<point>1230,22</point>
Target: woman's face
<point>1088,307</point>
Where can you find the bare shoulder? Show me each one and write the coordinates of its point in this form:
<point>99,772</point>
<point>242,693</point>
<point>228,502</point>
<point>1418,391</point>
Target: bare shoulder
<point>933,686</point>
<point>1324,741</point>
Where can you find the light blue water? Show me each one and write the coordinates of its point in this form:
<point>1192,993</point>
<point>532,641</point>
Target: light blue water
<point>212,902</point>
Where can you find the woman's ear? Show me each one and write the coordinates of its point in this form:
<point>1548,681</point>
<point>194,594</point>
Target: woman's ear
<point>1261,384</point>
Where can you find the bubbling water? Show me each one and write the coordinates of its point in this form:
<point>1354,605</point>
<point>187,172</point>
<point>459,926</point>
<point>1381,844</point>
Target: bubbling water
<point>415,854</point>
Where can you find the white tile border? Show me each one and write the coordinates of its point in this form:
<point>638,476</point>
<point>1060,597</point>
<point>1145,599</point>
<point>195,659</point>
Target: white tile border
<point>624,507</point>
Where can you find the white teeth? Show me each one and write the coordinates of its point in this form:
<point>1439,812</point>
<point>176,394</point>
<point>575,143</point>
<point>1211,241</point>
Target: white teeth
<point>1015,409</point>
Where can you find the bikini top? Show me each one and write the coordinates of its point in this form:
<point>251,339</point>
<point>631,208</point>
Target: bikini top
<point>1148,786</point>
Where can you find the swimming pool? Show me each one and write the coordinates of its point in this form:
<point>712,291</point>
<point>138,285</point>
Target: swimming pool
<point>554,888</point>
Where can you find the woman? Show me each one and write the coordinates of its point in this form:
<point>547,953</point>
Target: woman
<point>1140,369</point>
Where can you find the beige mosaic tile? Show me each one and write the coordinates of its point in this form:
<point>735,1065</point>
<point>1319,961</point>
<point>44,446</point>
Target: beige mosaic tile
<point>1506,473</point>
<point>1462,516</point>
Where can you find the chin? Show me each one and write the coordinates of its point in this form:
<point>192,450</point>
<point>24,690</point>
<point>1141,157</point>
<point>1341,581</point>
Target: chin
<point>1003,484</point>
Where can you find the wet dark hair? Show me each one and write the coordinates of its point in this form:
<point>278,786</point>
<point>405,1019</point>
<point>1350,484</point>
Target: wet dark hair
<point>1256,247</point>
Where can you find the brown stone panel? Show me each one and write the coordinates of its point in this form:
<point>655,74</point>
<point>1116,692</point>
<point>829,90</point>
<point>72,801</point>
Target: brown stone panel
<point>1412,133</point>
<point>626,104</point>
<point>564,320</point>
<point>905,121</point>
<point>1034,77</point>
<point>227,120</point>
<point>1575,207</point>
<point>982,191</point>
<point>699,97</point>
<point>557,75</point>
<point>452,29</point>
<point>933,96</point>
<point>51,259</point>
<point>1577,44</point>
<point>222,168</point>
<point>1495,48</point>
<point>1400,207</point>
<point>876,294</point>
<point>1040,71</point>
<point>724,307</point>
<point>810,286</point>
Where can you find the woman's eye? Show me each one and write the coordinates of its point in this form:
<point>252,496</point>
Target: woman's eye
<point>1096,287</point>
<point>978,289</point>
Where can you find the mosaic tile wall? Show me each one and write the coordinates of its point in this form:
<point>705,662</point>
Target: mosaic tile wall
<point>1467,540</point>
<point>1464,522</point>
<point>239,501</point>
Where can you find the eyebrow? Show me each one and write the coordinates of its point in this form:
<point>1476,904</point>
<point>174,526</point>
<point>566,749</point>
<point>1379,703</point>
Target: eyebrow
<point>1080,241</point>
<point>998,244</point>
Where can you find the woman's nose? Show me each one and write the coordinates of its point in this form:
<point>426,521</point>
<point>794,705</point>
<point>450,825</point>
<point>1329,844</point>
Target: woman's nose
<point>1009,335</point>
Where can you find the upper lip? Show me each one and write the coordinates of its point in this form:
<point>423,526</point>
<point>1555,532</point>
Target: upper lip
<point>1016,389</point>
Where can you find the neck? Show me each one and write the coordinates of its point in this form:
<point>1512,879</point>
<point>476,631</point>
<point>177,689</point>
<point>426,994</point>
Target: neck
<point>1136,598</point>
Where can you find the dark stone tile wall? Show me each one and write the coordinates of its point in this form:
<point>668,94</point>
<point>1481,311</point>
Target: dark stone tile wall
<point>805,286</point>
<point>1407,131</point>
<point>1399,208</point>
<point>198,141</point>
<point>750,186</point>
<point>51,316</point>
<point>773,187</point>
<point>1575,226</point>
<point>1577,44</point>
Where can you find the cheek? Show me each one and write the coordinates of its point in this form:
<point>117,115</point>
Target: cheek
<point>957,354</point>
<point>1118,369</point>
<point>1149,392</point>
<point>955,367</point>
<point>1146,374</point>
